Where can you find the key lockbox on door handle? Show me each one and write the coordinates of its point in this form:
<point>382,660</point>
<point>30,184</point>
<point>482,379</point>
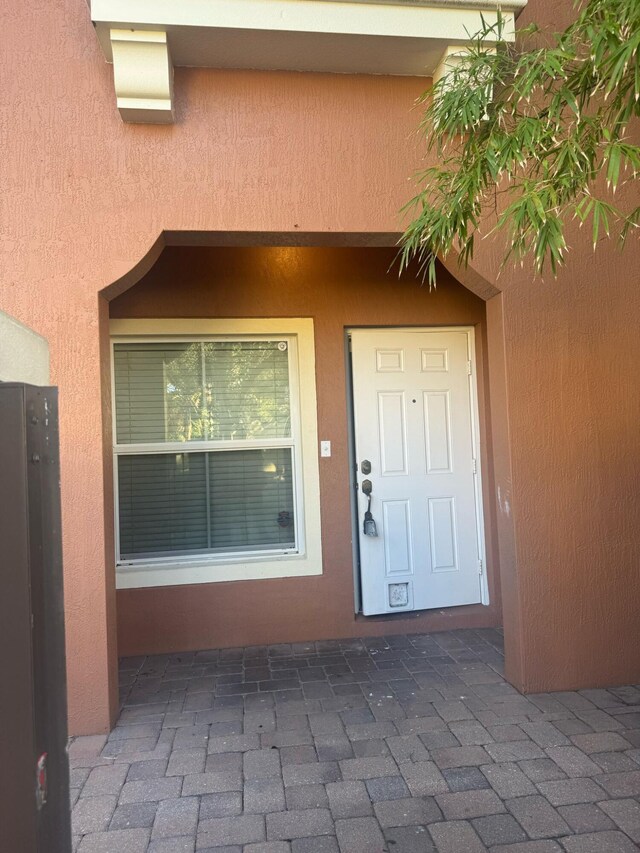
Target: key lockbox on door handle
<point>369,526</point>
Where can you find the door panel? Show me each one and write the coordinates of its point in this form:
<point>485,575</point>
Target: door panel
<point>437,432</point>
<point>413,422</point>
<point>396,532</point>
<point>393,438</point>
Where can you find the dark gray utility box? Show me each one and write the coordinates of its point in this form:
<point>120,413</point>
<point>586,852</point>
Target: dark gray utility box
<point>34,767</point>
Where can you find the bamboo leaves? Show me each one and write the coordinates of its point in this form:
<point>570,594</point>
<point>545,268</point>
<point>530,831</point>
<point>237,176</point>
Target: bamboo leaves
<point>523,135</point>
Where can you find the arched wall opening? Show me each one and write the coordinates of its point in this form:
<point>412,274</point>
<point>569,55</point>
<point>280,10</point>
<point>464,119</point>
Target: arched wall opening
<point>338,281</point>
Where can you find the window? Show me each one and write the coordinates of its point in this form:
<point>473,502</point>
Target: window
<point>207,455</point>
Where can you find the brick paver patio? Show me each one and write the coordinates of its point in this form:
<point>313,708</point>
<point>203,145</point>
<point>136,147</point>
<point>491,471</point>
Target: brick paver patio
<point>410,744</point>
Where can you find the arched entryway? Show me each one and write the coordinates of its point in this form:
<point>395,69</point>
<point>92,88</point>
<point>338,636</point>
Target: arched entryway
<point>194,286</point>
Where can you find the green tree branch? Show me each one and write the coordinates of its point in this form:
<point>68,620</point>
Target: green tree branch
<point>524,132</point>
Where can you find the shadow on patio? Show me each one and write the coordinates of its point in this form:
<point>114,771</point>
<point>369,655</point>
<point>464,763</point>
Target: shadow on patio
<point>402,744</point>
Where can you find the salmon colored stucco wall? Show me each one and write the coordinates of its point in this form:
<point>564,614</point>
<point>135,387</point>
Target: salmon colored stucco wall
<point>338,288</point>
<point>85,198</point>
<point>571,350</point>
<point>570,400</point>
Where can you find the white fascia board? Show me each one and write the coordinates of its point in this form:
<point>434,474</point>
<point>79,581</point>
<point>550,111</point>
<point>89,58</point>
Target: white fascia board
<point>355,16</point>
<point>450,20</point>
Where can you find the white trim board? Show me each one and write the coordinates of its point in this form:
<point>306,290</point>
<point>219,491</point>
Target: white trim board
<point>260,565</point>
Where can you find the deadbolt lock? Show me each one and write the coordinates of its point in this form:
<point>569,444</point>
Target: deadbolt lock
<point>365,466</point>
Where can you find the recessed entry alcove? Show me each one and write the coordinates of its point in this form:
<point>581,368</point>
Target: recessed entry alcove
<point>258,541</point>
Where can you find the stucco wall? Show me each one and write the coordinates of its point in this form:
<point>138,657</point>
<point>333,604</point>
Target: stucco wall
<point>574,407</point>
<point>337,288</point>
<point>24,355</point>
<point>84,199</point>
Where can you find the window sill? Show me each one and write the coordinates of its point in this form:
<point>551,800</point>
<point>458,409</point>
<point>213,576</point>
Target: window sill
<point>191,572</point>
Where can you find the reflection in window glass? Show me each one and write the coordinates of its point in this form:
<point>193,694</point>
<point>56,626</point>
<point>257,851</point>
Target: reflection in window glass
<point>194,503</point>
<point>201,391</point>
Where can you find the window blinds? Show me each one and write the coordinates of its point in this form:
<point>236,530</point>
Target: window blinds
<point>179,503</point>
<point>223,498</point>
<point>201,391</point>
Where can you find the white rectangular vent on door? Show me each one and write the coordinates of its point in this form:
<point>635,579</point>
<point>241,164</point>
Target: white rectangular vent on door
<point>398,594</point>
<point>437,431</point>
<point>393,439</point>
<point>390,360</point>
<point>435,360</point>
<point>442,533</point>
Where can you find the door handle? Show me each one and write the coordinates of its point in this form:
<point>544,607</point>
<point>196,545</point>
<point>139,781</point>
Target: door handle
<point>369,526</point>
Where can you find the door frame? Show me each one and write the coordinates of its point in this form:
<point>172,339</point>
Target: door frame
<point>475,442</point>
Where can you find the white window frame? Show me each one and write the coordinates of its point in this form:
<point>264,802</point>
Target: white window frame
<point>306,559</point>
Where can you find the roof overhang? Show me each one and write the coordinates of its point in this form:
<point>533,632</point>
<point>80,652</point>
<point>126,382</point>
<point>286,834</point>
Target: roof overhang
<point>146,39</point>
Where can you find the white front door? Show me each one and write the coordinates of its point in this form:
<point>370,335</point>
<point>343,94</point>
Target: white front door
<point>414,435</point>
